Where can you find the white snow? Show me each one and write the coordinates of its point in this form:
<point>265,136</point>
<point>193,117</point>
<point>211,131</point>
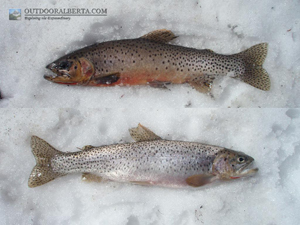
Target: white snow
<point>225,28</point>
<point>271,136</point>
<point>266,126</point>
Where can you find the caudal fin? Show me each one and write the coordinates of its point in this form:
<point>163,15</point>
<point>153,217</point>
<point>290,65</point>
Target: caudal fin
<point>42,172</point>
<point>255,74</point>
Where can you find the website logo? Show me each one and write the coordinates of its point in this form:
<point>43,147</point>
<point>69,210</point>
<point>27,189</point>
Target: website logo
<point>14,14</point>
<point>61,13</point>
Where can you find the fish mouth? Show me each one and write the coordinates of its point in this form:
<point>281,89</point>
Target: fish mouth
<point>247,170</point>
<point>56,74</point>
<point>50,77</point>
<point>54,77</point>
<point>53,68</point>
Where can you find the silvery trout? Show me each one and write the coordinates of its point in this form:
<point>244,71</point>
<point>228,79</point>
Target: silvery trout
<point>150,60</point>
<point>148,161</point>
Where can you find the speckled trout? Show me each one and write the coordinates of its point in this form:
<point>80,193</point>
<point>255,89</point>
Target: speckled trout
<point>150,60</point>
<point>148,161</point>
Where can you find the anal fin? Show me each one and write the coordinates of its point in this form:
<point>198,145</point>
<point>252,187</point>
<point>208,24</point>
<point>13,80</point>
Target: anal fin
<point>200,180</point>
<point>202,83</point>
<point>141,133</point>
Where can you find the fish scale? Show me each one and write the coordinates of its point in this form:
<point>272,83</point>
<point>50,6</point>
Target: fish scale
<point>139,156</point>
<point>163,162</point>
<point>146,57</point>
<point>150,60</point>
<point>150,160</point>
<point>142,58</point>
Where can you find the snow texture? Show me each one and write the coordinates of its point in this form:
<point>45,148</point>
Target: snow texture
<point>270,136</point>
<point>225,27</point>
<point>264,125</point>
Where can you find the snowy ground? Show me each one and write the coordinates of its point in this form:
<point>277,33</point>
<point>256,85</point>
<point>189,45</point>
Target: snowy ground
<point>226,28</point>
<point>271,136</point>
<point>70,117</point>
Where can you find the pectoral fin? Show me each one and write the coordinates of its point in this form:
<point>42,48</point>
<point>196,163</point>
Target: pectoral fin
<point>88,177</point>
<point>162,36</point>
<point>107,79</point>
<point>144,183</point>
<point>200,180</point>
<point>141,133</point>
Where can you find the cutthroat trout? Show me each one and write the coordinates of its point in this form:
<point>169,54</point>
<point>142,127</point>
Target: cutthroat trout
<point>148,161</point>
<point>150,60</point>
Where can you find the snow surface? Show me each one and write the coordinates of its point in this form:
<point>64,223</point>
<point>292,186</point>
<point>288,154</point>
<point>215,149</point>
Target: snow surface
<point>225,27</point>
<point>271,136</point>
<point>69,117</point>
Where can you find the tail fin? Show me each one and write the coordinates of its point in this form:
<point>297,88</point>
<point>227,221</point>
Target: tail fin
<point>255,75</point>
<point>42,172</point>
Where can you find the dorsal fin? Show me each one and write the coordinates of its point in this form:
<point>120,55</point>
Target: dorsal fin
<point>141,133</point>
<point>86,148</point>
<point>208,50</point>
<point>162,36</point>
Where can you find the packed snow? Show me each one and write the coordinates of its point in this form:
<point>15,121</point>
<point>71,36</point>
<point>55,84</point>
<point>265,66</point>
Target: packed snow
<point>264,125</point>
<point>270,136</point>
<point>224,27</point>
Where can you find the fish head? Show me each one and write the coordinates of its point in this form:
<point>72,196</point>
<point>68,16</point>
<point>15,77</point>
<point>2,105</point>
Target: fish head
<point>72,71</point>
<point>230,164</point>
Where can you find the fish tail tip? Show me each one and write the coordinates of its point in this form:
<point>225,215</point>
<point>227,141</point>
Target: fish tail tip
<point>40,175</point>
<point>255,74</point>
<point>42,172</point>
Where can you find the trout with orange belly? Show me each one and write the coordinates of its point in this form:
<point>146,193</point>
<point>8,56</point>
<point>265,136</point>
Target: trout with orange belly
<point>148,161</point>
<point>150,60</point>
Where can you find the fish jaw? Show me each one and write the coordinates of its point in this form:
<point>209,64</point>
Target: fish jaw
<point>247,170</point>
<point>58,76</point>
<point>233,165</point>
<point>70,71</point>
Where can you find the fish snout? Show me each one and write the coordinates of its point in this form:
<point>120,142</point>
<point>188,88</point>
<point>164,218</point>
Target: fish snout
<point>48,77</point>
<point>51,66</point>
<point>54,74</point>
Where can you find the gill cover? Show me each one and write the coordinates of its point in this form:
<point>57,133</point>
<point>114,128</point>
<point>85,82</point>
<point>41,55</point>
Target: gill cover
<point>71,71</point>
<point>231,164</point>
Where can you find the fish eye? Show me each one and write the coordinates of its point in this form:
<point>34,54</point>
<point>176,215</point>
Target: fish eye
<point>241,159</point>
<point>65,65</point>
